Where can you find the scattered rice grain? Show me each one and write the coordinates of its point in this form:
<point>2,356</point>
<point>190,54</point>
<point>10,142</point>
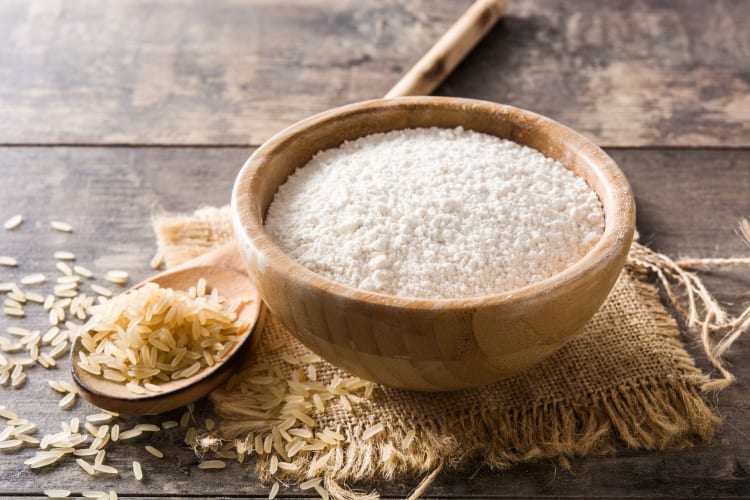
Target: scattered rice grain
<point>148,427</point>
<point>129,434</point>
<point>169,424</point>
<point>57,493</point>
<point>63,227</point>
<point>67,401</point>
<point>12,311</point>
<point>64,268</point>
<point>8,261</point>
<point>212,464</point>
<point>288,466</point>
<point>106,469</point>
<point>11,445</point>
<point>12,304</point>
<point>83,271</point>
<point>7,414</point>
<point>17,295</point>
<point>274,491</point>
<point>99,418</point>
<point>157,260</point>
<point>13,222</point>
<point>372,431</point>
<point>137,470</point>
<point>33,279</point>
<point>95,494</point>
<point>154,451</point>
<point>310,483</point>
<point>104,292</point>
<point>18,381</point>
<point>64,255</point>
<point>117,277</point>
<point>320,491</point>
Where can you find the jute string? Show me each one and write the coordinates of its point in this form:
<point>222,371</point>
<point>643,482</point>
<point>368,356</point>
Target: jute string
<point>624,381</point>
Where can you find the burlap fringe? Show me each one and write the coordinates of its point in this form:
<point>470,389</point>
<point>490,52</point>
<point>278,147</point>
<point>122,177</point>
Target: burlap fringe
<point>652,414</point>
<point>699,310</point>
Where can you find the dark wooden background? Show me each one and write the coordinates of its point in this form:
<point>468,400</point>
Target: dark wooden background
<point>110,110</point>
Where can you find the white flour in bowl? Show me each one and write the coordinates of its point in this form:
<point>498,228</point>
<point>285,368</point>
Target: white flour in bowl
<point>435,213</point>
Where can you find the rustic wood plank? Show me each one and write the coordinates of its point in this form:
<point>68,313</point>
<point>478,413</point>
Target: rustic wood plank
<point>233,72</point>
<point>624,72</point>
<point>108,195</point>
<point>227,72</point>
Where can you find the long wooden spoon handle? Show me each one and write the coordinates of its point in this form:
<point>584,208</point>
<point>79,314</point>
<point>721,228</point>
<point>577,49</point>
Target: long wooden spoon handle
<point>445,55</point>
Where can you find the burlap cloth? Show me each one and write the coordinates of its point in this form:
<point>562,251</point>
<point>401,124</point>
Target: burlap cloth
<point>624,381</point>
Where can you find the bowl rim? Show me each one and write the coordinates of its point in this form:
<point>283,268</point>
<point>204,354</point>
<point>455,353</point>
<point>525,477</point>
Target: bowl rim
<point>614,243</point>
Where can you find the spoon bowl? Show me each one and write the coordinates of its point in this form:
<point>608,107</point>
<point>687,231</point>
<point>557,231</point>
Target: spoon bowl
<point>220,269</point>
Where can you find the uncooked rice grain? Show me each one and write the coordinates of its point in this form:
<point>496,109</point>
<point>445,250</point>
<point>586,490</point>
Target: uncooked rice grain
<point>155,452</point>
<point>103,291</point>
<point>137,470</point>
<point>33,279</point>
<point>106,469</point>
<point>87,452</point>
<point>18,381</point>
<point>274,491</point>
<point>13,222</point>
<point>48,302</point>
<point>57,493</point>
<point>95,494</point>
<point>310,483</point>
<point>117,277</point>
<point>99,418</point>
<point>64,255</point>
<point>150,333</point>
<point>34,297</point>
<point>129,434</point>
<point>63,227</point>
<point>12,304</point>
<point>148,427</point>
<point>320,491</point>
<point>7,414</point>
<point>212,464</point>
<point>8,261</point>
<point>83,271</point>
<point>64,268</point>
<point>11,445</point>
<point>67,401</point>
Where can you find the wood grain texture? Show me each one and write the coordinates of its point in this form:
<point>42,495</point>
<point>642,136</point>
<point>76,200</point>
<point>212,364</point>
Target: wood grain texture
<point>689,203</point>
<point>225,72</point>
<point>233,72</point>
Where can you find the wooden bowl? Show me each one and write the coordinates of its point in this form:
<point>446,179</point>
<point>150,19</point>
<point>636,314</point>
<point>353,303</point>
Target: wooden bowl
<point>422,344</point>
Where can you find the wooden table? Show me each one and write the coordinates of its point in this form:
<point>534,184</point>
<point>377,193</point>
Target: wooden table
<point>111,110</point>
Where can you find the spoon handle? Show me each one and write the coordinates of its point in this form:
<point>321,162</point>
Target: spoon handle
<point>452,47</point>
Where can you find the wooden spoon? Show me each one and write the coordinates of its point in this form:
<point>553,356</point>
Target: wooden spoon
<point>222,269</point>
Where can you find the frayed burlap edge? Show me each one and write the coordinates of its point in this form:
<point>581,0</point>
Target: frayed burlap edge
<point>649,414</point>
